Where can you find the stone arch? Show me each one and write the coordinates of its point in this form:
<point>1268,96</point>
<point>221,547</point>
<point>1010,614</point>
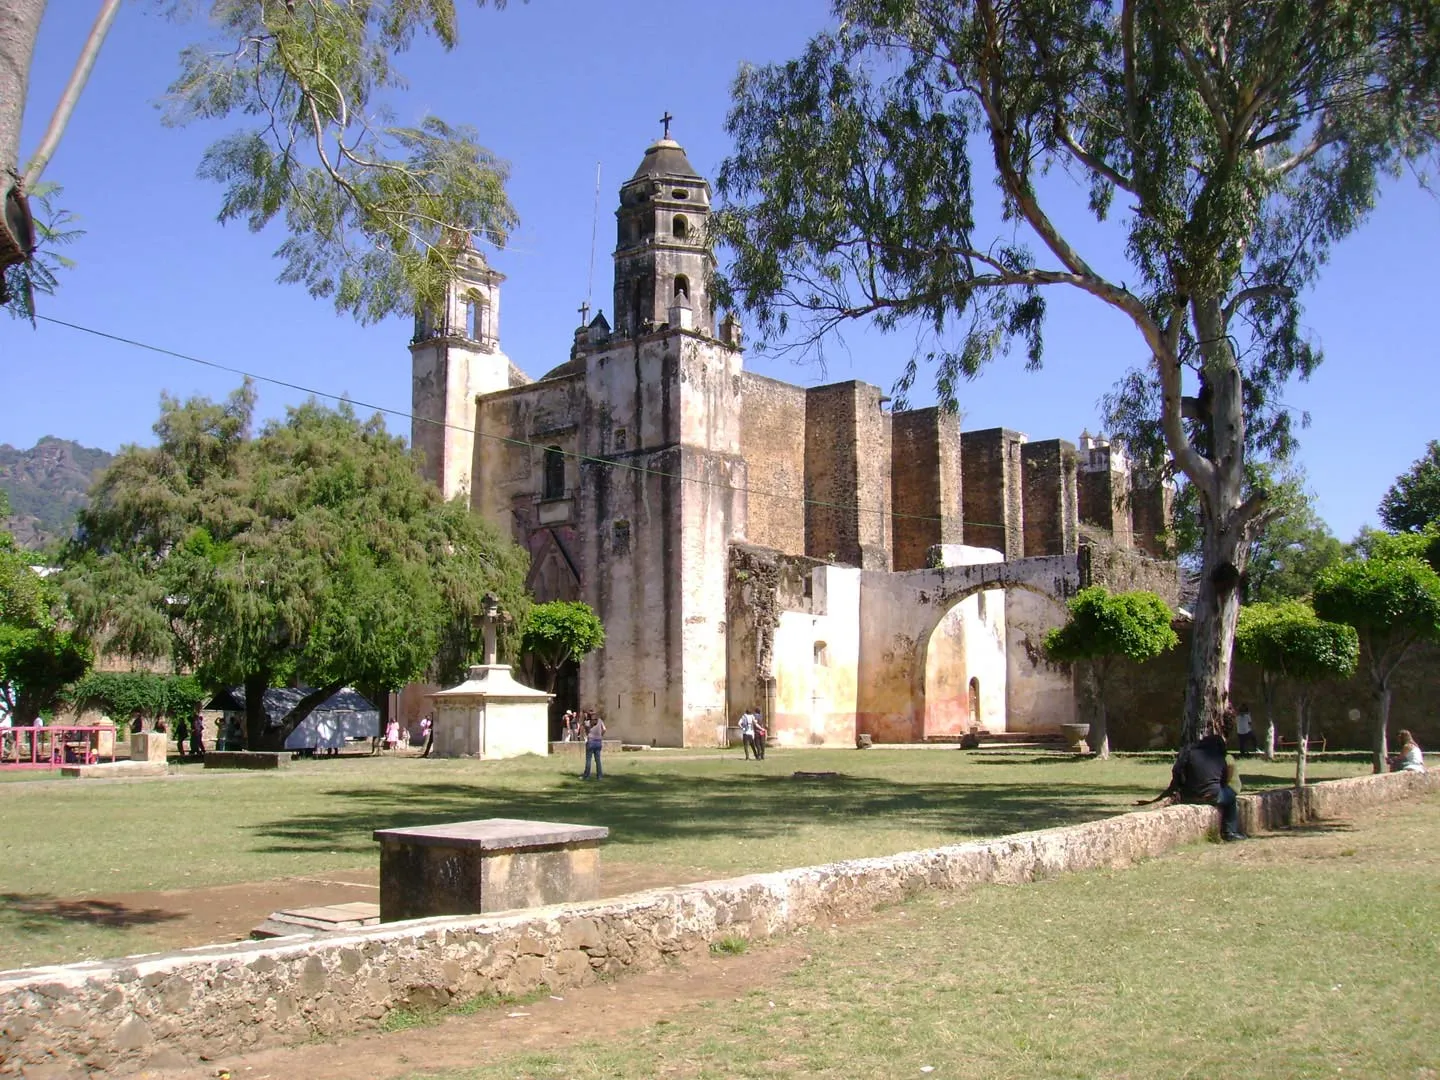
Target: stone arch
<point>956,676</point>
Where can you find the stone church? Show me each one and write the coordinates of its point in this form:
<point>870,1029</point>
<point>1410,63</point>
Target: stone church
<point>847,568</point>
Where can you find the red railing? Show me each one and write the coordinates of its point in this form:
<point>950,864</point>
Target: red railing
<point>50,747</point>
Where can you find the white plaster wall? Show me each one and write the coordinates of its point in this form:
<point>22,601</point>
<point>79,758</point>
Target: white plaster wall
<point>1041,695</point>
<point>968,643</point>
<point>815,703</point>
<point>513,728</point>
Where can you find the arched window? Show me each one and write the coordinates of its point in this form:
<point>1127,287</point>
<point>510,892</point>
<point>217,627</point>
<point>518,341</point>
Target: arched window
<point>974,702</point>
<point>682,287</point>
<point>554,484</point>
<point>472,320</point>
<point>822,654</point>
<point>680,227</point>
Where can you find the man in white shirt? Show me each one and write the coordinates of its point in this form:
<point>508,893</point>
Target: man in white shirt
<point>1245,731</point>
<point>747,734</point>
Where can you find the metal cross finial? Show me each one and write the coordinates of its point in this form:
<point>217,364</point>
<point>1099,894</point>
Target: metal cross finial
<point>666,121</point>
<point>585,313</point>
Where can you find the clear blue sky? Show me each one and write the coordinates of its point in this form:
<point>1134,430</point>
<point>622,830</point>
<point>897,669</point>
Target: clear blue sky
<point>555,87</point>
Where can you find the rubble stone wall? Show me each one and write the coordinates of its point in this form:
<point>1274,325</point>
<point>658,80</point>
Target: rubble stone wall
<point>166,1009</point>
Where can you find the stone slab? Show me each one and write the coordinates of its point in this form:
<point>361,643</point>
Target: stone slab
<point>112,769</point>
<point>149,746</point>
<point>574,746</point>
<point>494,834</point>
<point>324,919</point>
<point>247,759</point>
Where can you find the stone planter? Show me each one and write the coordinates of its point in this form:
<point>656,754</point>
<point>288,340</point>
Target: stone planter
<point>1075,736</point>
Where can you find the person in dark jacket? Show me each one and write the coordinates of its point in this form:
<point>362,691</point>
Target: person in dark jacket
<point>1199,775</point>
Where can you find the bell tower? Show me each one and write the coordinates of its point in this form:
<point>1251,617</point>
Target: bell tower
<point>455,355</point>
<point>662,266</point>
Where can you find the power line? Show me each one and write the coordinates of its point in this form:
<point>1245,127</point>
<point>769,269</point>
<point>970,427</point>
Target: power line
<point>507,440</point>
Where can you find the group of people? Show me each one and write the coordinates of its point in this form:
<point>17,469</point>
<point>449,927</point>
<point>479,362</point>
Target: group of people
<point>192,729</point>
<point>753,734</point>
<point>575,726</point>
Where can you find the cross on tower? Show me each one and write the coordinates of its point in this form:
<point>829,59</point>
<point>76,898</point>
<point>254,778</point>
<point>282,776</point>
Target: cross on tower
<point>666,121</point>
<point>585,313</point>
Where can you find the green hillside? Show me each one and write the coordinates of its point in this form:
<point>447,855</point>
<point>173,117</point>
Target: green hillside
<point>46,485</point>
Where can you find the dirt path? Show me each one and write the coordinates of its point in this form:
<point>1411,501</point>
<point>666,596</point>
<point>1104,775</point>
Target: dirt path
<point>183,918</point>
<point>635,1001</point>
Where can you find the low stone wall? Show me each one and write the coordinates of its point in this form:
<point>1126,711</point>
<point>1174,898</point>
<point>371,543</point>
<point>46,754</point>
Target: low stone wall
<point>120,1015</point>
<point>247,759</point>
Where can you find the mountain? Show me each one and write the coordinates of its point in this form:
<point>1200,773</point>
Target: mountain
<point>46,485</point>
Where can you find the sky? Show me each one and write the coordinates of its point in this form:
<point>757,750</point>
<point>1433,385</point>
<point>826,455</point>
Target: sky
<point>557,88</point>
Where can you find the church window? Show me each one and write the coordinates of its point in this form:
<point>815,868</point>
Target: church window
<point>622,438</point>
<point>680,227</point>
<point>472,319</point>
<point>682,287</point>
<point>822,654</point>
<point>554,481</point>
<point>680,193</point>
<point>620,537</point>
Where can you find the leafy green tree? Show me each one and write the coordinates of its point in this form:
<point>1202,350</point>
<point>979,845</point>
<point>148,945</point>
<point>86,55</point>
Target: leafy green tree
<point>1413,501</point>
<point>1288,641</point>
<point>38,656</point>
<point>1394,603</point>
<point>375,212</point>
<point>1104,627</point>
<point>1231,144</point>
<point>313,553</point>
<point>558,632</point>
<point>1290,548</point>
<point>123,694</point>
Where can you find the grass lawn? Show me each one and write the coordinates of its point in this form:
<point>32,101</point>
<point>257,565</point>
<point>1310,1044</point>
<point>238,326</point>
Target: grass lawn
<point>1304,954</point>
<point>698,814</point>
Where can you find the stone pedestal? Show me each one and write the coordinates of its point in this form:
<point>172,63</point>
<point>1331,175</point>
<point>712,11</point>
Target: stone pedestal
<point>495,864</point>
<point>490,715</point>
<point>149,746</point>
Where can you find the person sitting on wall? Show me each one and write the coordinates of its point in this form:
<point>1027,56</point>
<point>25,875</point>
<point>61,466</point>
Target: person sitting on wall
<point>1410,758</point>
<point>1201,775</point>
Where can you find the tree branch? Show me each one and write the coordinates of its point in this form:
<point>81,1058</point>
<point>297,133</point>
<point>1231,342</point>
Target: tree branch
<point>1254,292</point>
<point>71,94</point>
<point>1090,161</point>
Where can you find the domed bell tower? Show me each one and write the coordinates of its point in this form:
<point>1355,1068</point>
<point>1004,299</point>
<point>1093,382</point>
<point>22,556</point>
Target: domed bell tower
<point>662,266</point>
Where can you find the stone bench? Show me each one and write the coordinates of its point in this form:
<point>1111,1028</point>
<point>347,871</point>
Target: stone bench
<point>495,864</point>
<point>247,759</point>
<point>112,769</point>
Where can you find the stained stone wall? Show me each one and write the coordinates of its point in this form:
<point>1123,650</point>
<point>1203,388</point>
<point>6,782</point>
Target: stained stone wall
<point>169,1009</point>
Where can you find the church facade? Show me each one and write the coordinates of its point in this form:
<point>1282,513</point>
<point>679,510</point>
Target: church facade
<point>847,568</point>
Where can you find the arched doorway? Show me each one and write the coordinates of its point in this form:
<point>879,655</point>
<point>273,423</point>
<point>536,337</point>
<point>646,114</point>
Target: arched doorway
<point>974,702</point>
<point>967,648</point>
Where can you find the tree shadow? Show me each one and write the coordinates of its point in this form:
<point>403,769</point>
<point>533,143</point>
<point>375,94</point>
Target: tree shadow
<point>41,911</point>
<point>661,807</point>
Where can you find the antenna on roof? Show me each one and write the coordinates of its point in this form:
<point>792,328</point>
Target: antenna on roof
<point>594,225</point>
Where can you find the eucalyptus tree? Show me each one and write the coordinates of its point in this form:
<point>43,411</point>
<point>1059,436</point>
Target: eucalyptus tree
<point>1288,642</point>
<point>1393,601</point>
<point>1102,628</point>
<point>1226,144</point>
<point>310,553</point>
<point>375,212</point>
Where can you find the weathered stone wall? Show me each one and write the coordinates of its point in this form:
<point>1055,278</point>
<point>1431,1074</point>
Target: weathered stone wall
<point>1103,492</point>
<point>1125,569</point>
<point>169,1009</point>
<point>1152,500</point>
<point>1051,522</point>
<point>847,475</point>
<point>991,490</point>
<point>816,663</point>
<point>1147,701</point>
<point>772,426</point>
<point>1039,695</point>
<point>925,496</point>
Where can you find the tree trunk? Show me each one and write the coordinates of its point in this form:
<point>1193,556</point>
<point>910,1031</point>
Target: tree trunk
<point>255,718</point>
<point>19,25</point>
<point>1213,632</point>
<point>1268,685</point>
<point>1380,749</point>
<point>1100,730</point>
<point>1302,737</point>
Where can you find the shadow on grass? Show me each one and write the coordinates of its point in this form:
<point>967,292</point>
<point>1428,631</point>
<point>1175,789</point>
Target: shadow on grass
<point>41,911</point>
<point>658,807</point>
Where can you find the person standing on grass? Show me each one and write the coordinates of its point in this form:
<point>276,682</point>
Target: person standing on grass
<point>761,734</point>
<point>197,734</point>
<point>1245,731</point>
<point>1200,775</point>
<point>747,734</point>
<point>594,743</point>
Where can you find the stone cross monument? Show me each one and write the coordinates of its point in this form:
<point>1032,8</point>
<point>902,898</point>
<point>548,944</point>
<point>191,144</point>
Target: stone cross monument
<point>490,715</point>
